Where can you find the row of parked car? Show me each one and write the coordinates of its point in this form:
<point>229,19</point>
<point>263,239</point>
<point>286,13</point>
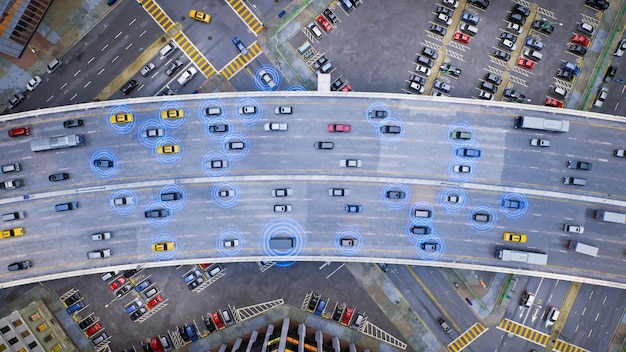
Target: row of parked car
<point>90,325</point>
<point>146,293</point>
<point>342,314</point>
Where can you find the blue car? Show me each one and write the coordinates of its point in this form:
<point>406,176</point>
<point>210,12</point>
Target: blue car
<point>570,67</point>
<point>75,307</point>
<point>191,332</point>
<point>143,285</point>
<point>470,18</point>
<point>320,307</point>
<point>242,48</point>
<point>534,43</point>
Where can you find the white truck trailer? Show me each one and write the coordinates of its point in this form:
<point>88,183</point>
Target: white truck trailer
<point>611,216</point>
<point>540,123</point>
<point>583,248</point>
<point>509,255</point>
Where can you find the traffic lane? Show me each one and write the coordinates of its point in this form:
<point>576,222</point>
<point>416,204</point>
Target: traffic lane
<point>595,314</point>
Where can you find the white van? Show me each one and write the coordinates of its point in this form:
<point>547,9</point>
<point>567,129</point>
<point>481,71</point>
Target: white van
<point>533,54</point>
<point>168,49</point>
<point>469,29</point>
<point>10,168</point>
<point>552,317</point>
<point>528,298</point>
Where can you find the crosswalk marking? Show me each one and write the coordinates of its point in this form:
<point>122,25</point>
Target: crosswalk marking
<point>194,54</point>
<point>246,15</point>
<point>159,16</point>
<point>532,335</point>
<point>240,61</point>
<point>467,337</point>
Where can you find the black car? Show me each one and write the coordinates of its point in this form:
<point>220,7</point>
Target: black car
<point>565,75</point>
<point>209,324</point>
<point>331,16</point>
<point>598,4</point>
<point>138,313</point>
<point>610,74</point>
<point>509,36</point>
<point>218,128</point>
<point>103,163</point>
<point>438,29</point>
<point>446,11</point>
<point>123,290</point>
<point>72,299</point>
<point>511,93</point>
<point>577,49</point>
<point>396,194</point>
<point>517,18</point>
<point>502,55</point>
<point>543,26</point>
<point>481,4</point>
<point>390,129</point>
<point>129,273</point>
<point>72,123</point>
<point>157,213</point>
<point>337,84</point>
<point>451,70</point>
<point>313,301</point>
<point>522,10</point>
<point>19,265</point>
<point>129,86</point>
<point>488,86</point>
<point>59,177</point>
<point>85,323</point>
<point>171,196</point>
<point>195,283</point>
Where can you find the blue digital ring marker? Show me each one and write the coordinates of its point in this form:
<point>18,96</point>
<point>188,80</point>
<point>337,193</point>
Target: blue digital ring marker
<point>389,138</point>
<point>453,199</point>
<point>282,228</point>
<point>482,226</point>
<point>296,88</point>
<point>218,136</point>
<point>173,122</point>
<point>348,241</point>
<point>164,237</point>
<point>226,201</point>
<point>459,126</point>
<point>172,205</point>
<point>215,164</point>
<point>123,209</point>
<point>248,119</point>
<point>459,176</point>
<point>230,235</point>
<point>415,238</point>
<point>236,154</point>
<point>121,127</point>
<point>257,80</point>
<point>513,197</point>
<point>377,122</point>
<point>430,254</point>
<point>395,203</point>
<point>153,205</point>
<point>211,103</point>
<point>149,125</point>
<point>471,161</point>
<point>168,158</point>
<point>421,205</point>
<point>104,171</point>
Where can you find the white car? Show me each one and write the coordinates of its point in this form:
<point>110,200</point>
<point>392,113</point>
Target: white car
<point>152,133</point>
<point>282,208</point>
<point>283,110</point>
<point>535,142</point>
<point>462,169</point>
<point>423,70</point>
<point>247,110</point>
<point>274,126</point>
<point>485,95</point>
<point>514,27</point>
<point>451,3</point>
<point>187,76</point>
<point>574,228</point>
<point>226,193</point>
<point>267,79</point>
<point>350,163</point>
<point>33,83</point>
<point>601,97</point>
<point>230,243</point>
<point>124,201</point>
<point>443,18</point>
<point>621,48</point>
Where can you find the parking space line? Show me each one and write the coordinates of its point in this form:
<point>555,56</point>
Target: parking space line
<point>546,13</point>
<point>434,36</point>
<point>457,45</point>
<point>454,55</point>
<point>240,61</point>
<point>518,80</point>
<point>249,18</point>
<point>194,54</point>
<point>591,20</point>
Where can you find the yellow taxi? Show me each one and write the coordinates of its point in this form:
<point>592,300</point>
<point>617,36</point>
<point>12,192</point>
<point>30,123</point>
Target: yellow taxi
<point>121,118</point>
<point>18,231</point>
<point>199,16</point>
<point>168,149</point>
<point>163,246</point>
<point>172,114</point>
<point>514,237</point>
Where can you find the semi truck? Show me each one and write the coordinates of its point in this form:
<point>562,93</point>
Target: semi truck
<point>540,123</point>
<point>510,255</point>
<point>58,142</point>
<point>282,242</point>
<point>611,216</point>
<point>583,248</point>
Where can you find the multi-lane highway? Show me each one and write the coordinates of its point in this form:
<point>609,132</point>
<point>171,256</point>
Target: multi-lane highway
<point>418,161</point>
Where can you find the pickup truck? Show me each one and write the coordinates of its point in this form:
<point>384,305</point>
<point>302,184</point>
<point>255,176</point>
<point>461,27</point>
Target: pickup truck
<point>535,142</point>
<point>101,236</point>
<point>187,76</point>
<point>274,126</point>
<point>11,184</point>
<point>123,201</point>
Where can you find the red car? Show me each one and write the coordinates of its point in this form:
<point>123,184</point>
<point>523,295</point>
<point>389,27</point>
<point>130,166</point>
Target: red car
<point>462,38</point>
<point>526,63</point>
<point>93,329</point>
<point>20,131</point>
<point>580,39</point>
<point>553,102</point>
<point>217,320</point>
<point>338,128</point>
<point>347,316</point>
<point>117,283</point>
<point>156,300</point>
<point>347,88</point>
<point>155,345</point>
<point>324,23</point>
<point>204,266</point>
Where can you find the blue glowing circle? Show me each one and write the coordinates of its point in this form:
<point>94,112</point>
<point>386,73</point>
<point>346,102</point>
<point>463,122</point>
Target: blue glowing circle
<point>282,227</point>
<point>211,103</point>
<point>296,88</point>
<point>348,234</point>
<point>453,199</point>
<point>215,164</point>
<point>121,127</point>
<point>173,122</point>
<point>257,80</point>
<point>229,200</point>
<point>169,158</point>
<point>123,209</point>
<point>374,121</point>
<point>395,203</point>
<point>230,235</point>
<point>250,118</point>
<point>428,254</point>
<point>481,226</point>
<point>151,125</point>
<point>173,205</point>
<point>104,171</point>
<point>514,213</point>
